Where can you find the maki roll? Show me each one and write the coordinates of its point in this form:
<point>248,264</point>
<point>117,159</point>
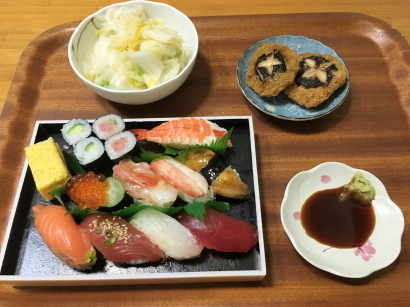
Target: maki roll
<point>107,126</point>
<point>76,130</point>
<point>120,144</point>
<point>91,154</point>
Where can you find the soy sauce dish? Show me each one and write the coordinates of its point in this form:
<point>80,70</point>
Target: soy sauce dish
<point>380,246</point>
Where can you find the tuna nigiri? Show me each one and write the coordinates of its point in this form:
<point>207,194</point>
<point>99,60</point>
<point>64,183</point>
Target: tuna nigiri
<point>174,239</point>
<point>118,241</point>
<point>190,182</point>
<point>142,183</point>
<point>63,236</point>
<point>221,232</point>
<point>182,133</point>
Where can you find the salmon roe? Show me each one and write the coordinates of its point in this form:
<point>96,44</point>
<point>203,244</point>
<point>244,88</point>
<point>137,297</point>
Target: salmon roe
<point>88,190</point>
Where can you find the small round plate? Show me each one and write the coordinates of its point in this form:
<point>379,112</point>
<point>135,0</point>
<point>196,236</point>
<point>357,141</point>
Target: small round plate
<point>281,106</point>
<point>381,249</point>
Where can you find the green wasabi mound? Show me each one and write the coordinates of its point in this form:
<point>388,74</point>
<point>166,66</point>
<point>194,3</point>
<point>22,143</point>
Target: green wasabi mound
<point>359,189</point>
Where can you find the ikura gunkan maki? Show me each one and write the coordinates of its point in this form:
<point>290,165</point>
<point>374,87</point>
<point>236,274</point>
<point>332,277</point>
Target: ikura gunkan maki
<point>94,191</point>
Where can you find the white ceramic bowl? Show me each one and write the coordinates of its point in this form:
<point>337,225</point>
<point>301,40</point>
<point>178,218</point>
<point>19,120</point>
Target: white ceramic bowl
<point>383,246</point>
<point>84,38</point>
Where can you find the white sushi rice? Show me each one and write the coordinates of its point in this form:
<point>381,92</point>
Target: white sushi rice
<point>120,144</point>
<point>108,125</point>
<point>210,195</point>
<point>72,135</point>
<point>88,150</point>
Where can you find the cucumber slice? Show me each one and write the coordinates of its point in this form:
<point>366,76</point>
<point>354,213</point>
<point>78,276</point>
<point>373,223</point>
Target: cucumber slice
<point>115,192</point>
<point>90,147</point>
<point>77,128</point>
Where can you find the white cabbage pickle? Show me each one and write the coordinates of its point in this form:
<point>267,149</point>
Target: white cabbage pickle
<point>133,52</point>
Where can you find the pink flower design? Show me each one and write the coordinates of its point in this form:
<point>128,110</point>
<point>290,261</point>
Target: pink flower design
<point>325,179</point>
<point>296,215</point>
<point>366,251</point>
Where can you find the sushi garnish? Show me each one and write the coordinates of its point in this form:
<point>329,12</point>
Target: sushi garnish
<point>196,209</point>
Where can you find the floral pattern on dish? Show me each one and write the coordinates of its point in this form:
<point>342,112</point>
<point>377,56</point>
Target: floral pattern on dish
<point>365,251</point>
<point>355,262</point>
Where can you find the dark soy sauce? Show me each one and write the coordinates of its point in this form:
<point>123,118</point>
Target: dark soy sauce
<point>336,223</point>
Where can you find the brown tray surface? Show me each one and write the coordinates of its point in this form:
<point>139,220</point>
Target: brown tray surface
<point>370,130</point>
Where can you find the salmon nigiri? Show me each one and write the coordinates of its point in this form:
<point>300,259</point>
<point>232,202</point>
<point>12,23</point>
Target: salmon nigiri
<point>182,133</point>
<point>63,236</point>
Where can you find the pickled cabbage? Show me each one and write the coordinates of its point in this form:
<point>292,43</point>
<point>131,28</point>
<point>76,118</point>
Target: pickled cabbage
<point>133,52</point>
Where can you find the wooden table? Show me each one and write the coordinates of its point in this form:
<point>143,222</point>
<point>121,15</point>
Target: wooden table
<point>290,280</point>
<point>22,21</point>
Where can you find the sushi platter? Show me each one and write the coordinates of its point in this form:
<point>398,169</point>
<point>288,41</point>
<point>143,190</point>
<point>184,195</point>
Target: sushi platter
<point>26,259</point>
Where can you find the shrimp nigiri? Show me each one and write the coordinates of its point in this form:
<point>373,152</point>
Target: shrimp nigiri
<point>63,236</point>
<point>182,133</point>
<point>142,183</point>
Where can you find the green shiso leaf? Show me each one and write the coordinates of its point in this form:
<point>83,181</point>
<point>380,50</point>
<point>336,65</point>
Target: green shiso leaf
<point>73,163</point>
<point>171,151</point>
<point>81,213</point>
<point>136,207</point>
<point>219,145</point>
<point>57,195</point>
<point>145,156</point>
<point>197,209</point>
<point>217,205</point>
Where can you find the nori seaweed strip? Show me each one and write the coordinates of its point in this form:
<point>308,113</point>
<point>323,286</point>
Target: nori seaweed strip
<point>212,169</point>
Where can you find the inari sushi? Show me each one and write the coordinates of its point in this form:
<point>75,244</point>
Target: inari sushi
<point>182,133</point>
<point>118,241</point>
<point>63,236</point>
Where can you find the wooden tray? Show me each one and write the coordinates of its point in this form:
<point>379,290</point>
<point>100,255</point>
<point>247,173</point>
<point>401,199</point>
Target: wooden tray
<point>369,131</point>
